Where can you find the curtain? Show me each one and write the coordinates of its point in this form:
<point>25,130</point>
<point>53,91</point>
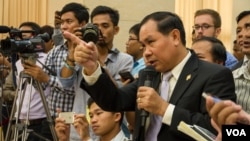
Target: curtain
<point>14,12</point>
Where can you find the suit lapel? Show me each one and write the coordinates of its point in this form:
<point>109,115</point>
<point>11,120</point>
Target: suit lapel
<point>186,77</point>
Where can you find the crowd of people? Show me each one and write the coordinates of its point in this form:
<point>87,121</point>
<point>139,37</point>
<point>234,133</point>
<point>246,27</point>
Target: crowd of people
<point>84,78</point>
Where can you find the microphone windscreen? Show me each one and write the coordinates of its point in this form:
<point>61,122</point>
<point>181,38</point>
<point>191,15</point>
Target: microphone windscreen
<point>4,29</point>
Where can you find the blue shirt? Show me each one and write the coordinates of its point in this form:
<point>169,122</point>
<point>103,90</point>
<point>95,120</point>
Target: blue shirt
<point>231,61</point>
<point>80,101</point>
<point>116,62</point>
<point>138,65</point>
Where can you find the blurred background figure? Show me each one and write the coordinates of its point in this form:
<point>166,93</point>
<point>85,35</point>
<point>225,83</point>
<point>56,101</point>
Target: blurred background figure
<point>5,66</point>
<point>207,22</point>
<point>237,51</point>
<point>48,44</point>
<point>210,49</point>
<point>135,49</point>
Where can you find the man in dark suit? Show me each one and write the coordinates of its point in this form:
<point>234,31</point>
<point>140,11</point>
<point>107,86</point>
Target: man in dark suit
<point>163,37</point>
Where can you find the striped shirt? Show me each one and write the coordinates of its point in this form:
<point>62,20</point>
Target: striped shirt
<point>242,85</point>
<point>60,97</point>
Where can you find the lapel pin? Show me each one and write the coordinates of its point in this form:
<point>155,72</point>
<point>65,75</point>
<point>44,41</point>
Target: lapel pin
<point>188,77</point>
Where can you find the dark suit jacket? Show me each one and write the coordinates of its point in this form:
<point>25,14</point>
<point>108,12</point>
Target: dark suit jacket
<point>196,77</point>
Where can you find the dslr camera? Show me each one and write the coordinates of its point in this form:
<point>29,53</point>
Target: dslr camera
<point>90,32</point>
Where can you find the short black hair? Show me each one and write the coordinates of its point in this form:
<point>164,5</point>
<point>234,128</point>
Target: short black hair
<point>80,11</point>
<point>48,29</point>
<point>34,26</point>
<point>218,50</point>
<point>135,29</point>
<point>166,22</point>
<point>91,101</point>
<point>242,15</point>
<point>113,13</point>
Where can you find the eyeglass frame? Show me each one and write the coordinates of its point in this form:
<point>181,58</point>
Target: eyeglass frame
<point>202,27</point>
<point>131,39</point>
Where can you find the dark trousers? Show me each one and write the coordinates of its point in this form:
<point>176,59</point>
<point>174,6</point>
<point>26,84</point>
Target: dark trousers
<point>39,129</point>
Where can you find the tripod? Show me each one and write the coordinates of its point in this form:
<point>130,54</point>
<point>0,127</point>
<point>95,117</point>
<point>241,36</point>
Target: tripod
<point>24,80</point>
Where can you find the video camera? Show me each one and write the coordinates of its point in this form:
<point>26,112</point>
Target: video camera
<point>16,44</point>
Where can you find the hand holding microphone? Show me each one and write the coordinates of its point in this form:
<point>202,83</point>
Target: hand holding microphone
<point>145,79</point>
<point>148,99</point>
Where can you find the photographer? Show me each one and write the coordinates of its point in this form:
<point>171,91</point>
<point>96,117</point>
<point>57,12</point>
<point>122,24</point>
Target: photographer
<point>73,16</point>
<point>37,114</point>
<point>114,61</point>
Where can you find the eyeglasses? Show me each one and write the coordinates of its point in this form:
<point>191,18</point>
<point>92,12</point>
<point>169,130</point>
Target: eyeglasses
<point>130,39</point>
<point>203,27</point>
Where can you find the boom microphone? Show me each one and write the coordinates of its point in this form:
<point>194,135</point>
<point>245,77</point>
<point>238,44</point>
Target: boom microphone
<point>145,79</point>
<point>4,29</point>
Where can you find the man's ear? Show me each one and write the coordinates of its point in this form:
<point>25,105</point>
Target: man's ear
<point>117,117</point>
<point>116,29</point>
<point>217,31</point>
<point>175,34</point>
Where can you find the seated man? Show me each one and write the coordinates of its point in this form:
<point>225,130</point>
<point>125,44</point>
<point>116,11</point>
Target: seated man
<point>210,49</point>
<point>106,125</point>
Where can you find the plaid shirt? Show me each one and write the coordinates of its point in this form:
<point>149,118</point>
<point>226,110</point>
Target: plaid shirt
<point>60,97</point>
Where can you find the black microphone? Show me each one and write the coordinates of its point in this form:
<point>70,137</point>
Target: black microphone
<point>4,29</point>
<point>145,79</point>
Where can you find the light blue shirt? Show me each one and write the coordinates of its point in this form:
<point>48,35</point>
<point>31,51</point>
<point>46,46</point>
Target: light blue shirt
<point>138,65</point>
<point>118,62</point>
<point>119,137</point>
<point>80,101</point>
<point>231,61</point>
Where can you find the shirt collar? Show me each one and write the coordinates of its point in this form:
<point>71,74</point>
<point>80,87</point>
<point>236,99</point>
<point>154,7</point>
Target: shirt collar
<point>240,72</point>
<point>245,60</point>
<point>112,56</point>
<point>176,71</point>
<point>119,137</point>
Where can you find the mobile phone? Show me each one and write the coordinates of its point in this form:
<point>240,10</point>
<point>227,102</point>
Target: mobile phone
<point>127,75</point>
<point>67,116</point>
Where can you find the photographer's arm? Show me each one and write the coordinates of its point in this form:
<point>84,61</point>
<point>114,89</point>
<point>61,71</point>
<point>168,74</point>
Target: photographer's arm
<point>69,64</point>
<point>57,36</point>
<point>36,72</point>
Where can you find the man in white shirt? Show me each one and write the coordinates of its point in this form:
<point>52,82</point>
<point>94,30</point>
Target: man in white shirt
<point>106,125</point>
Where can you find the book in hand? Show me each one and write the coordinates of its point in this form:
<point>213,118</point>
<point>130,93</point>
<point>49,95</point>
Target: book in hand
<point>196,132</point>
